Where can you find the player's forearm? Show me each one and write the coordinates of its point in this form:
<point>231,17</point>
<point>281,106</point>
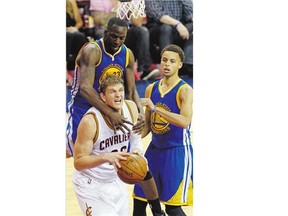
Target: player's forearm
<point>88,162</point>
<point>173,118</point>
<point>145,131</point>
<point>136,99</point>
<point>168,20</point>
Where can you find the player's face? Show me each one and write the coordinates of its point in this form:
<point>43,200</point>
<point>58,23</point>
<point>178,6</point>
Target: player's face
<point>114,38</point>
<point>170,63</point>
<point>114,96</point>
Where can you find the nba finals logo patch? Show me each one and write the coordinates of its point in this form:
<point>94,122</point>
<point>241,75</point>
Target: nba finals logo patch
<point>159,124</point>
<point>111,70</point>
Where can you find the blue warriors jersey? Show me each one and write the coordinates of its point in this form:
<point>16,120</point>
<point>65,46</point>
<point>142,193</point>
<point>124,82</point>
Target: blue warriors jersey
<point>108,65</point>
<point>170,153</point>
<point>165,134</point>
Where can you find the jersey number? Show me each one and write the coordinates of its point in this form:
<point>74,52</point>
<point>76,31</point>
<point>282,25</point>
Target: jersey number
<point>122,149</point>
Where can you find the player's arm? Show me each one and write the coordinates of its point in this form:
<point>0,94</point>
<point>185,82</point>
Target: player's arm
<point>131,91</point>
<point>146,129</point>
<point>135,138</point>
<point>87,59</point>
<point>132,94</point>
<point>184,118</point>
<point>84,145</point>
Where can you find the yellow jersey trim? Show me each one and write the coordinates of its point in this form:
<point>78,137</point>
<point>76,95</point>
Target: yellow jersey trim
<point>178,95</point>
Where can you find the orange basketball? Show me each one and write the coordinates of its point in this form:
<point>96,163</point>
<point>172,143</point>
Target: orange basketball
<point>133,170</point>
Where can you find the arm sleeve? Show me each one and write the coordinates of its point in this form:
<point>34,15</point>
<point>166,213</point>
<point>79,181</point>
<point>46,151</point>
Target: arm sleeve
<point>188,10</point>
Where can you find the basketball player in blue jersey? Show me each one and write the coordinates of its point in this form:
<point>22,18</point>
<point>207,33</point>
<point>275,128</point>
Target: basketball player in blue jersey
<point>96,60</point>
<point>97,152</point>
<point>168,116</point>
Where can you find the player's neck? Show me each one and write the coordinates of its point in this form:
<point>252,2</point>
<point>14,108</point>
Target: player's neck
<point>169,81</point>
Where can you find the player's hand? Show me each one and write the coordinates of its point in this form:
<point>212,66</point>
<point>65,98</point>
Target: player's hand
<point>147,102</point>
<point>118,122</point>
<point>113,158</point>
<point>139,153</point>
<point>138,127</point>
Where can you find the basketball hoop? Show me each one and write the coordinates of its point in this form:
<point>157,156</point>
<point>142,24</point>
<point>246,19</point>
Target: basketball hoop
<point>128,8</point>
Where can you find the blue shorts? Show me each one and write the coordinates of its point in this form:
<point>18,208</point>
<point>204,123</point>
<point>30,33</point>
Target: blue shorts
<point>172,169</point>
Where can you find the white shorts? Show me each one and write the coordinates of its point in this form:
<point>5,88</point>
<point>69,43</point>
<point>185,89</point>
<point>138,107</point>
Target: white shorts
<point>104,198</point>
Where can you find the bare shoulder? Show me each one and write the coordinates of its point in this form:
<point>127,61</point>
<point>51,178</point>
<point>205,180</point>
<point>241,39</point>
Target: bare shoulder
<point>89,53</point>
<point>91,47</point>
<point>131,56</point>
<point>88,120</point>
<point>186,92</point>
<point>132,105</point>
<point>187,89</point>
<point>134,110</point>
<point>148,90</point>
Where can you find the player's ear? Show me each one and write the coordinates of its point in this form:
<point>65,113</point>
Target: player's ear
<point>180,65</point>
<point>102,96</point>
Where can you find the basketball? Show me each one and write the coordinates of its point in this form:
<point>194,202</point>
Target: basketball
<point>133,170</point>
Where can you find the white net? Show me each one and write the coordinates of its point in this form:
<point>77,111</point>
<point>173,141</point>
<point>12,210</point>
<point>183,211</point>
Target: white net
<point>134,8</point>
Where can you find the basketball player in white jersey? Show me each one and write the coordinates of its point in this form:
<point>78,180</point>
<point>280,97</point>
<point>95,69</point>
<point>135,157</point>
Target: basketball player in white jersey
<point>98,150</point>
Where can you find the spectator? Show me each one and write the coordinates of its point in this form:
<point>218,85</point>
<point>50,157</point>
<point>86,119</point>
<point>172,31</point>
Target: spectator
<point>102,11</point>
<point>171,21</point>
<point>138,40</point>
<point>74,38</point>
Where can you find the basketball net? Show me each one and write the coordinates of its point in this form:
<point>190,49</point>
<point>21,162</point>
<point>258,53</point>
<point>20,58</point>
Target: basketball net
<point>131,8</point>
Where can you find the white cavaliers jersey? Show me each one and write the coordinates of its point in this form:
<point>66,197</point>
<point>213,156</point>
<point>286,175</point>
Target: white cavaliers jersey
<point>106,141</point>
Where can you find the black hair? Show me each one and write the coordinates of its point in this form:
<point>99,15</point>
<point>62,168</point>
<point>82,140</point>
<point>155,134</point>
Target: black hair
<point>176,49</point>
<point>117,21</point>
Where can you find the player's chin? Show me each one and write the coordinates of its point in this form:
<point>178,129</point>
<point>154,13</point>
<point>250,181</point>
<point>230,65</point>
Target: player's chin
<point>166,72</point>
<point>117,105</point>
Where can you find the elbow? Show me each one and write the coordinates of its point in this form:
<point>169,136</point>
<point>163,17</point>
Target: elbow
<point>185,124</point>
<point>77,165</point>
<point>84,89</point>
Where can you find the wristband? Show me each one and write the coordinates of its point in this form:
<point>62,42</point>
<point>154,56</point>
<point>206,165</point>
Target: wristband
<point>154,109</point>
<point>177,24</point>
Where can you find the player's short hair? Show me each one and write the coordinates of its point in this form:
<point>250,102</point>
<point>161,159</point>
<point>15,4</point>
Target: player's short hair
<point>117,21</point>
<point>109,80</point>
<point>176,49</point>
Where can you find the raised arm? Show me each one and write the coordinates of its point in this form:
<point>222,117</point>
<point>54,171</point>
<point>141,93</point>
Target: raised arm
<point>131,91</point>
<point>132,94</point>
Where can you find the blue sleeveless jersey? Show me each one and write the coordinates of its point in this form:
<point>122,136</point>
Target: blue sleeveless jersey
<point>108,65</point>
<point>165,134</point>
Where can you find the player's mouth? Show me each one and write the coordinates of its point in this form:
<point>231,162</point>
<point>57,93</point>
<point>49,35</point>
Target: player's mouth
<point>118,101</point>
<point>116,46</point>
